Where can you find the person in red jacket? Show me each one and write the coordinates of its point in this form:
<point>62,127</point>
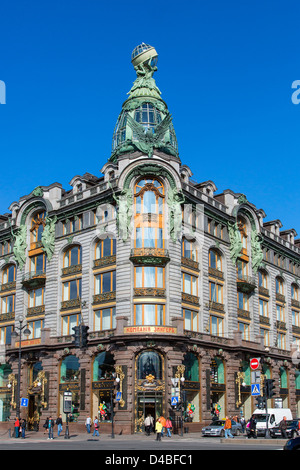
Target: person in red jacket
<point>17,427</point>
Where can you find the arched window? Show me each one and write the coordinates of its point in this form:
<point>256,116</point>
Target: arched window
<point>188,249</point>
<point>37,226</point>
<point>105,247</point>
<point>149,196</point>
<point>263,279</point>
<point>72,257</point>
<point>149,363</point>
<point>295,292</point>
<point>243,232</point>
<point>103,366</point>
<point>279,284</point>
<point>215,259</point>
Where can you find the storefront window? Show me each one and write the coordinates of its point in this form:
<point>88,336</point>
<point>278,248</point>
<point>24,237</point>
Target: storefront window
<point>103,367</point>
<point>69,370</point>
<point>5,397</point>
<point>149,363</point>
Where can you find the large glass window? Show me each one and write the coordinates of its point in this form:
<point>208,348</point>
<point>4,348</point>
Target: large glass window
<point>5,334</point>
<point>105,282</point>
<point>72,290</point>
<point>38,264</point>
<point>149,314</point>
<point>149,276</point>
<point>105,319</point>
<point>36,297</point>
<point>37,227</point>
<point>68,323</point>
<point>189,284</point>
<point>35,328</point>
<point>149,195</point>
<point>191,319</point>
<point>215,292</point>
<point>8,304</point>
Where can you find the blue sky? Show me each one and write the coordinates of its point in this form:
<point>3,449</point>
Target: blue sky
<point>225,70</point>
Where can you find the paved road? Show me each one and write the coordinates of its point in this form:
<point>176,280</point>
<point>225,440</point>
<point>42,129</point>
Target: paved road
<point>125,444</point>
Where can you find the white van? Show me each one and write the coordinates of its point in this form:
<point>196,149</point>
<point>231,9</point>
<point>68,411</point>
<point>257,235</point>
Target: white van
<point>275,415</point>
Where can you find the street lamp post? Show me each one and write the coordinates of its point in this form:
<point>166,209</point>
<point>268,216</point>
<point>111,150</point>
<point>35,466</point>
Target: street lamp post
<point>15,334</point>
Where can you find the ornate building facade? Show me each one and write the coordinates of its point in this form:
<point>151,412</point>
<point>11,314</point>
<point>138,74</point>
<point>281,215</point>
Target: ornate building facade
<point>180,287</point>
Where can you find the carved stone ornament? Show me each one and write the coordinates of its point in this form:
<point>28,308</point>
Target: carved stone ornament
<point>20,245</point>
<point>48,236</point>
<point>235,241</point>
<point>256,251</point>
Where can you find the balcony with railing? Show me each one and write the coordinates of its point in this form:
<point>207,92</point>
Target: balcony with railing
<point>246,284</point>
<point>34,279</point>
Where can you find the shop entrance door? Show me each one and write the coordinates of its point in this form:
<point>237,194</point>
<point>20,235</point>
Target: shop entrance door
<point>147,404</point>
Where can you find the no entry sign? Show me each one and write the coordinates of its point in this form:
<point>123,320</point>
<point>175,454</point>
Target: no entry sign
<point>254,363</point>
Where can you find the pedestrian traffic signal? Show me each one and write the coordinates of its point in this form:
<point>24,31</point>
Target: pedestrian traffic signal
<point>76,336</point>
<point>270,386</point>
<point>84,335</point>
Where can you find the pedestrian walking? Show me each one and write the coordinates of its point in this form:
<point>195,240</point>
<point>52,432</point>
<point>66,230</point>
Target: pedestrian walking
<point>148,424</point>
<point>283,428</point>
<point>252,428</point>
<point>45,425</point>
<point>227,428</point>
<point>169,427</point>
<point>23,428</point>
<point>243,424</point>
<point>17,427</point>
<point>96,427</point>
<point>59,425</point>
<point>158,429</point>
<point>50,427</point>
<point>163,423</point>
<point>88,424</point>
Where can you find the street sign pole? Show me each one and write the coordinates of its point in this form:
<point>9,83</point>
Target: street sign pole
<point>67,408</point>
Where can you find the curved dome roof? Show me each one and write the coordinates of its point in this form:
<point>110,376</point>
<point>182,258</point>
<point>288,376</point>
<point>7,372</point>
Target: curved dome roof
<point>144,122</point>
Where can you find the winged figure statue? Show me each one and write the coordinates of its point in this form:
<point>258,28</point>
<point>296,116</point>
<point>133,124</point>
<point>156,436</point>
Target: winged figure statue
<point>148,139</point>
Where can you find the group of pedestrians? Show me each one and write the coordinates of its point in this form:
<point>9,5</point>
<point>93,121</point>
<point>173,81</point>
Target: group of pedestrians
<point>88,425</point>
<point>20,428</point>
<point>161,425</point>
<point>49,426</point>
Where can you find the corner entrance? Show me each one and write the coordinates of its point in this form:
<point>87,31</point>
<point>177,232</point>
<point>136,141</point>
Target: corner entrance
<point>147,404</point>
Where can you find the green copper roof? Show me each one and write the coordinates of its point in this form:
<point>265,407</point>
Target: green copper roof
<point>144,122</point>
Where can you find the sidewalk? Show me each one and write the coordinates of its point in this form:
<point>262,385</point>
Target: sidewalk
<point>40,437</point>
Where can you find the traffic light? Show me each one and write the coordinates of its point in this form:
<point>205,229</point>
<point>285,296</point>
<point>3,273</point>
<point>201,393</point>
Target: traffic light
<point>84,335</point>
<point>270,386</point>
<point>76,336</point>
<point>260,403</point>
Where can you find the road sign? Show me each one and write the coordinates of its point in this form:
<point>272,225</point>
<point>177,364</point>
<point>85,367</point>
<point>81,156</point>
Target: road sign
<point>255,376</point>
<point>119,396</point>
<point>254,363</point>
<point>255,390</point>
<point>24,402</point>
<point>174,401</point>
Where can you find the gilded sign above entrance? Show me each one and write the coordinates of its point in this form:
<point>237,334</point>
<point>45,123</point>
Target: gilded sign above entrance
<point>150,329</point>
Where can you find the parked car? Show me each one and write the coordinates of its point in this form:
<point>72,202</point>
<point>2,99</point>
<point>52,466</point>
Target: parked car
<point>216,428</point>
<point>292,428</point>
<point>292,444</point>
